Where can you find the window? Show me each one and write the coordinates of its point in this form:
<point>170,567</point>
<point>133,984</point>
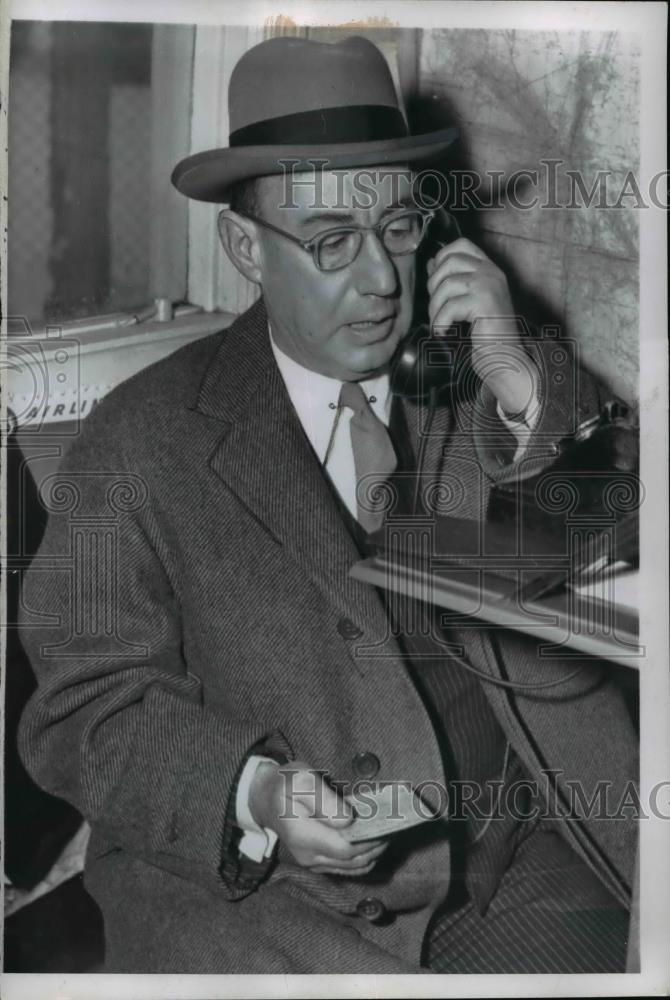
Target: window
<point>88,184</point>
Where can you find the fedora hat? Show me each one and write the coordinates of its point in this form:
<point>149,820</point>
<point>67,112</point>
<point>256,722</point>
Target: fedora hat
<point>305,101</point>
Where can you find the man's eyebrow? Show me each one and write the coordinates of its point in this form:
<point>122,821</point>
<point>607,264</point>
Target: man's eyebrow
<point>338,217</point>
<point>346,218</point>
<point>406,202</point>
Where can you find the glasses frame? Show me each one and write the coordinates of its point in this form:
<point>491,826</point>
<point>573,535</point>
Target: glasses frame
<point>312,245</point>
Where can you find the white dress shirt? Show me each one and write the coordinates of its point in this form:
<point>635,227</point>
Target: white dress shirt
<point>315,399</point>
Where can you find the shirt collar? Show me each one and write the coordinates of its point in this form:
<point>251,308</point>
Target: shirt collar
<point>315,396</point>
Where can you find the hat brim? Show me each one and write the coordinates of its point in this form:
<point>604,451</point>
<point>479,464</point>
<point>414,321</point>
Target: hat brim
<point>208,176</point>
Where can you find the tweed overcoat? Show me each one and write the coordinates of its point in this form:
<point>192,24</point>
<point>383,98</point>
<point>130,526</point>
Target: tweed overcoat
<point>191,602</point>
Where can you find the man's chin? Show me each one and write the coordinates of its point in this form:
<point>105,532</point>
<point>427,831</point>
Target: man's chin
<point>373,358</point>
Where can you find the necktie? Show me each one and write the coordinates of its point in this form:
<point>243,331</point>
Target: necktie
<point>374,457</point>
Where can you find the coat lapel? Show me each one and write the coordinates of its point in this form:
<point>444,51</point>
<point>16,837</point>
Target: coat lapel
<point>426,443</point>
<point>265,458</point>
<point>416,419</point>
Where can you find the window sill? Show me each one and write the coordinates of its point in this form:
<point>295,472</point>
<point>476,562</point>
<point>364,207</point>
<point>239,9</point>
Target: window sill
<point>60,377</point>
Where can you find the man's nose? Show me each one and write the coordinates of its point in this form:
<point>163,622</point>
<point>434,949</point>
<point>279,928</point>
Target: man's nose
<point>376,272</point>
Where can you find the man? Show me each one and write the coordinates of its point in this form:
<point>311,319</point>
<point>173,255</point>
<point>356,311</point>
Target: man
<point>212,694</point>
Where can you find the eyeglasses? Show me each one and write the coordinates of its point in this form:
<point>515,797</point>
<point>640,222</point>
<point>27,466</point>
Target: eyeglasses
<point>337,248</point>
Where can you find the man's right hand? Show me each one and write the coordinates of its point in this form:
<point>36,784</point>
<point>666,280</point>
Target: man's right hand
<point>310,819</point>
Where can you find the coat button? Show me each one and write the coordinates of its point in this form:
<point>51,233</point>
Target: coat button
<point>349,629</point>
<point>371,909</point>
<point>365,764</point>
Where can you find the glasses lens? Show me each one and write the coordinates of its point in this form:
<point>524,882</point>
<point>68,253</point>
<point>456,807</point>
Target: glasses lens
<point>337,248</point>
<point>403,233</point>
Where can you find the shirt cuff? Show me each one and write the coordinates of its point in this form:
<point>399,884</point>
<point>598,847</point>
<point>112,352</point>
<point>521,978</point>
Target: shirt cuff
<point>257,842</point>
<point>521,425</point>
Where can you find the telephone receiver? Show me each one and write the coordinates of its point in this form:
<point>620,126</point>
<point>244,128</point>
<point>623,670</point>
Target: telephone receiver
<point>426,364</point>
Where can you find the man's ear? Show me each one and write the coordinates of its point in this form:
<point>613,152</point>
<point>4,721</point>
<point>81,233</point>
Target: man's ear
<point>239,240</point>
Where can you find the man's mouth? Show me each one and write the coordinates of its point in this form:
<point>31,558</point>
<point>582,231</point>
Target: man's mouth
<point>369,325</point>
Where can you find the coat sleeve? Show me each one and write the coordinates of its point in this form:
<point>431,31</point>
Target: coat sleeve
<point>118,725</point>
<point>567,395</point>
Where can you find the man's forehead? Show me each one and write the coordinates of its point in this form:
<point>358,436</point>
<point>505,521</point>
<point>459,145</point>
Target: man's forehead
<point>346,189</point>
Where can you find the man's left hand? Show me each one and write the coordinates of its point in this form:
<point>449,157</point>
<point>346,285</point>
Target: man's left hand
<point>466,286</point>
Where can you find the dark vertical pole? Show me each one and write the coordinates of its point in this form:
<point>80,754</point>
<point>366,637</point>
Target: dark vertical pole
<point>409,56</point>
<point>79,260</point>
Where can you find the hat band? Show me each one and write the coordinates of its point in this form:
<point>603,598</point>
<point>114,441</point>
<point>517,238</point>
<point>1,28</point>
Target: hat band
<point>358,123</point>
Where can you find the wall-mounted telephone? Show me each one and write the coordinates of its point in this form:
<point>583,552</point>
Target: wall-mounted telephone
<point>425,365</point>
